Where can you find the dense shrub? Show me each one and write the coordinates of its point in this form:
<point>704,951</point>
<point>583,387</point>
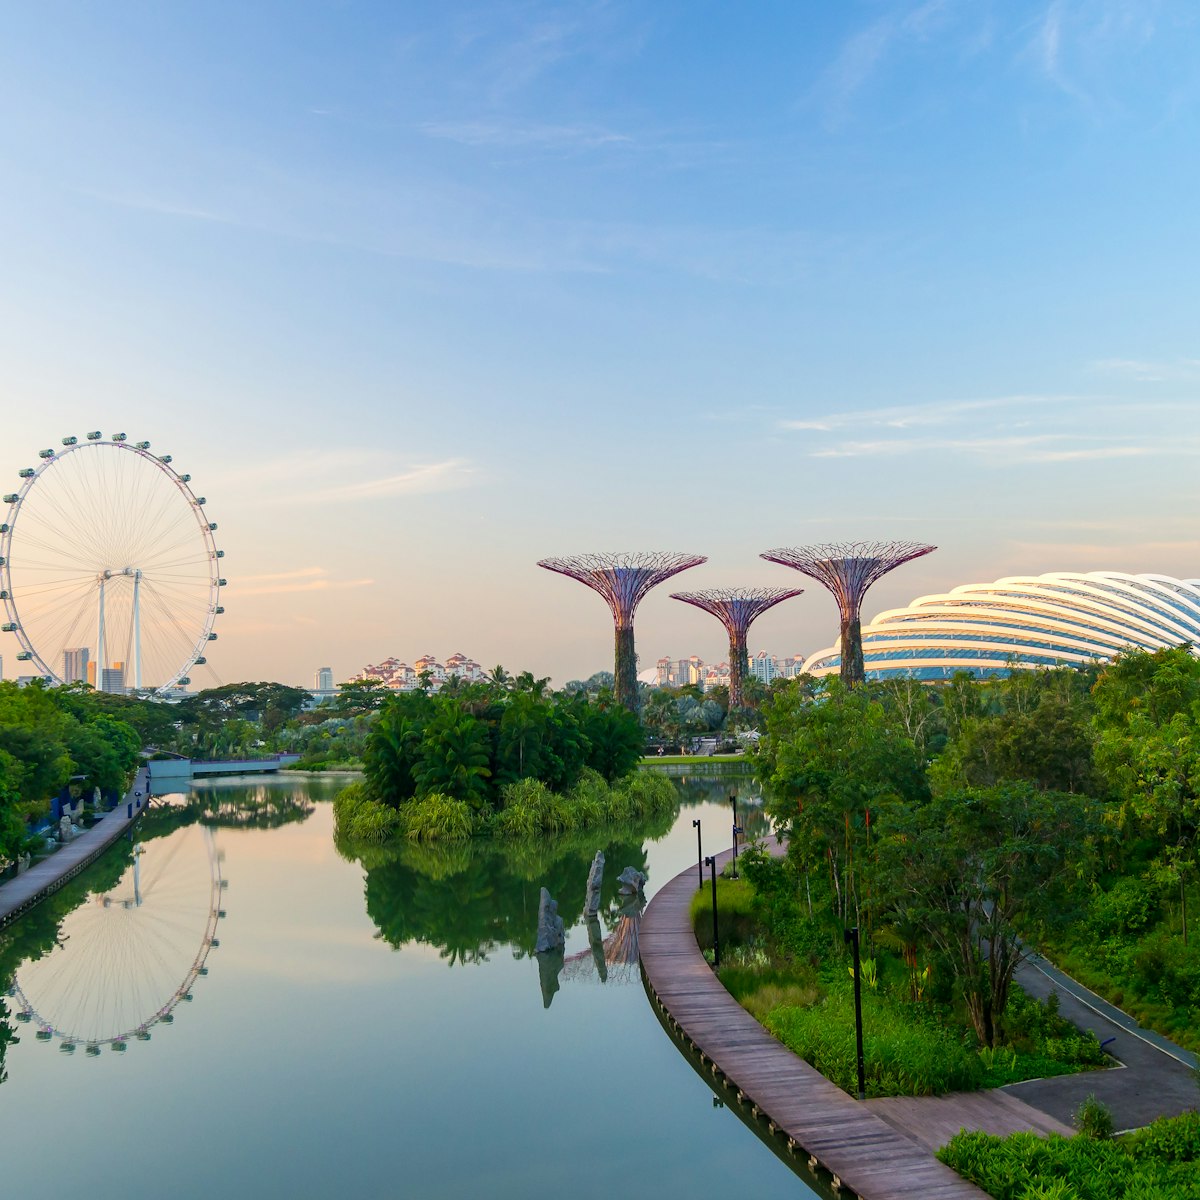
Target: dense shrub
<point>1094,1120</point>
<point>1130,906</point>
<point>904,1053</point>
<point>1024,1165</point>
<point>437,818</point>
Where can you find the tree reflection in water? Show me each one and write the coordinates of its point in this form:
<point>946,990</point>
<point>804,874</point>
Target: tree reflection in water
<point>470,898</point>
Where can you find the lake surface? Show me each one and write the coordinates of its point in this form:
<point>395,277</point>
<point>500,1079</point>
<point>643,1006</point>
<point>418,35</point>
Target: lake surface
<point>341,1029</point>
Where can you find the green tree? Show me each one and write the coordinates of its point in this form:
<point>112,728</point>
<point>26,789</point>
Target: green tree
<point>971,867</point>
<point>832,766</point>
<point>453,757</point>
<point>1149,751</point>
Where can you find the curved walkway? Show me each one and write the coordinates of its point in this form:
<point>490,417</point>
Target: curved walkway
<point>22,893</point>
<point>861,1151</point>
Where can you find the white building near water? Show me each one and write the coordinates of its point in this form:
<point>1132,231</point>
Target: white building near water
<point>1026,622</point>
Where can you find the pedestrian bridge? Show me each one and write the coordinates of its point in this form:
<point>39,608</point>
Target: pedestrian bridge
<point>170,774</point>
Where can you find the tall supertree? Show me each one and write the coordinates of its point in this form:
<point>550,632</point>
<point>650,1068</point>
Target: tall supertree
<point>737,609</point>
<point>623,580</point>
<point>848,569</point>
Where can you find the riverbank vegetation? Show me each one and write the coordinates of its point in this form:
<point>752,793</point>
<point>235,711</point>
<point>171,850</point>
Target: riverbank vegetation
<point>956,826</point>
<point>54,740</point>
<point>1160,1160</point>
<point>506,758</point>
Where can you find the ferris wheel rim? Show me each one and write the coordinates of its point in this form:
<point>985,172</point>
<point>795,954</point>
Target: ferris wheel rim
<point>31,1014</point>
<point>204,527</point>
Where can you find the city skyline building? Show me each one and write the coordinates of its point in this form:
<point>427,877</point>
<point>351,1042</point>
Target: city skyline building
<point>400,677</point>
<point>75,664</point>
<point>323,679</point>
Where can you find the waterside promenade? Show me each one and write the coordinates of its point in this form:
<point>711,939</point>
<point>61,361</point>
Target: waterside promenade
<point>863,1152</point>
<point>20,894</point>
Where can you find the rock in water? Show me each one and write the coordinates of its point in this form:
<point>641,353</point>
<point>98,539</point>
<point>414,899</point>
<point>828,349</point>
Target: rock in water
<point>550,935</point>
<point>632,881</point>
<point>595,879</point>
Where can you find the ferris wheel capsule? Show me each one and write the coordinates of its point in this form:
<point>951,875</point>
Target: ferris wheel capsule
<point>118,437</point>
<point>70,441</point>
<point>165,459</point>
<point>27,472</point>
<point>95,437</point>
<point>8,627</point>
<point>45,454</point>
<point>185,479</point>
<point>142,445</point>
<point>201,501</point>
<point>12,498</point>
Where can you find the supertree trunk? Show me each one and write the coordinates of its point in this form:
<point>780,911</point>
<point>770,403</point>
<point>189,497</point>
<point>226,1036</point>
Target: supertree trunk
<point>853,669</point>
<point>625,680</point>
<point>739,668</point>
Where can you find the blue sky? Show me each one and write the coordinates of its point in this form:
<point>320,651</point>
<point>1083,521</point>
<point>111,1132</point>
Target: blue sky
<point>420,293</point>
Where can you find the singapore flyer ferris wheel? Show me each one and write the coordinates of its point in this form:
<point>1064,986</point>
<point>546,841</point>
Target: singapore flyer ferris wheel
<point>109,572</point>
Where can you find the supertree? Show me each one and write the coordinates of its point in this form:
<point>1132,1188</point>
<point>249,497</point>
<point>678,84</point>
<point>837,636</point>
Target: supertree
<point>737,609</point>
<point>848,569</point>
<point>623,580</point>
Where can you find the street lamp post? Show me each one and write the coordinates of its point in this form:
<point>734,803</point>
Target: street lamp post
<point>711,862</point>
<point>733,874</point>
<point>851,938</point>
<point>699,852</point>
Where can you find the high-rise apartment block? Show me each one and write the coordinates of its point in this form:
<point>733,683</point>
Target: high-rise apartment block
<point>323,680</point>
<point>75,665</point>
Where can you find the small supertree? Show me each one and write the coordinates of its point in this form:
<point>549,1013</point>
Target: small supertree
<point>848,569</point>
<point>737,609</point>
<point>623,580</point>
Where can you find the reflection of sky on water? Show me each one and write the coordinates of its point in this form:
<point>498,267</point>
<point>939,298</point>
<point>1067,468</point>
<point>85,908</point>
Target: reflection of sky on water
<point>316,1060</point>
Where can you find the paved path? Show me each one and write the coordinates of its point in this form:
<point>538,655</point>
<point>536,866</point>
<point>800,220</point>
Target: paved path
<point>22,893</point>
<point>858,1148</point>
<point>1156,1078</point>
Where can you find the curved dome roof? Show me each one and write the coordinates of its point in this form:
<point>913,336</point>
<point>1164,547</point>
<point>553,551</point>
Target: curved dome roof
<point>1065,618</point>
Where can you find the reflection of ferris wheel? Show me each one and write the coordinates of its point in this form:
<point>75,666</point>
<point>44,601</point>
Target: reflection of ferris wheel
<point>108,568</point>
<point>126,958</point>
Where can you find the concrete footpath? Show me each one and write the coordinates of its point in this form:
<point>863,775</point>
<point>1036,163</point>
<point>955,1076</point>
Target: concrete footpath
<point>19,895</point>
<point>1156,1078</point>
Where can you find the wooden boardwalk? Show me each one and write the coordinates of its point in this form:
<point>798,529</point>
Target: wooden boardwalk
<point>21,894</point>
<point>860,1150</point>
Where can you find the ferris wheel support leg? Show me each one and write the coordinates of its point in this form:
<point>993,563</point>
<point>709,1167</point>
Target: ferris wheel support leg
<point>100,642</point>
<point>137,631</point>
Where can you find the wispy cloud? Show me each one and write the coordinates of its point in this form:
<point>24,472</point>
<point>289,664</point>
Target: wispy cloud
<point>1031,429</point>
<point>1148,371</point>
<point>340,475</point>
<point>308,579</point>
<point>907,416</point>
<point>445,476</point>
<point>508,134</point>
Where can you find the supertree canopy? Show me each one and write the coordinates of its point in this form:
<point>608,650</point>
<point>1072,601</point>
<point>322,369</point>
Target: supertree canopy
<point>848,569</point>
<point>737,609</point>
<point>623,580</point>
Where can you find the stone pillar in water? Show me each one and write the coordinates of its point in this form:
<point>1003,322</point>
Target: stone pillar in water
<point>550,935</point>
<point>595,880</point>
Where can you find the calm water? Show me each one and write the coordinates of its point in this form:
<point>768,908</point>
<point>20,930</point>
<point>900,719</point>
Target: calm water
<point>376,1030</point>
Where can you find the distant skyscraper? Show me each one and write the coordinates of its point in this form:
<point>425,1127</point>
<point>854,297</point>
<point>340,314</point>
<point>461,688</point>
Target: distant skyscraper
<point>75,665</point>
<point>112,679</point>
<point>323,681</point>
